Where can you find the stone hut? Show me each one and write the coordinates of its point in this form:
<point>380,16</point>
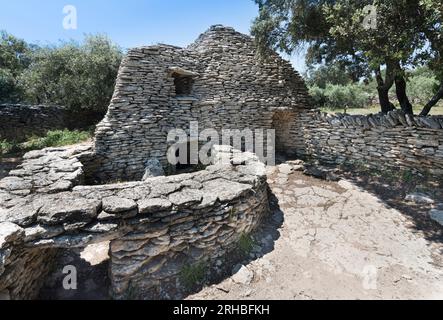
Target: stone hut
<point>218,81</point>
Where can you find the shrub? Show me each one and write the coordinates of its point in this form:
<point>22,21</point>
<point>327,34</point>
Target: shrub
<point>246,244</point>
<point>422,88</point>
<point>6,147</point>
<point>77,76</point>
<point>192,275</point>
<point>318,95</point>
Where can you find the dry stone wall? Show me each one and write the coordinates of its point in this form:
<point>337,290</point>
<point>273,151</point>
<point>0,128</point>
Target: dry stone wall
<point>19,122</point>
<point>232,89</point>
<point>22,270</point>
<point>158,226</point>
<point>154,226</point>
<point>394,140</point>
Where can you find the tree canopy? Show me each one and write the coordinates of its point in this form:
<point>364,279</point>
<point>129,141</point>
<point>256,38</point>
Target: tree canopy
<point>381,38</point>
<point>13,60</point>
<point>71,74</point>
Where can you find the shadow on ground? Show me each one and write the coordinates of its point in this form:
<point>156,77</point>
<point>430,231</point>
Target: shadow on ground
<point>263,241</point>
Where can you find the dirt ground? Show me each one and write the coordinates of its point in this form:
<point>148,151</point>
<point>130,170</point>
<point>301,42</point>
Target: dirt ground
<point>336,240</point>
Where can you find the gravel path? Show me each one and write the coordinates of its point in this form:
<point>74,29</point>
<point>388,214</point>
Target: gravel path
<point>332,240</point>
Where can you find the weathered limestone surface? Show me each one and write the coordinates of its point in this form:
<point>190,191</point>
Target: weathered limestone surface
<point>159,225</point>
<point>393,140</point>
<point>233,89</point>
<point>162,222</point>
<point>19,122</point>
<point>22,270</point>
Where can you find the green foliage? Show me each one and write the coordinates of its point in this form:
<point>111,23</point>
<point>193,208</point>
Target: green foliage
<point>7,147</point>
<point>422,85</point>
<point>327,74</point>
<point>57,138</point>
<point>338,96</point>
<point>73,75</point>
<point>246,243</point>
<point>9,91</point>
<point>192,275</point>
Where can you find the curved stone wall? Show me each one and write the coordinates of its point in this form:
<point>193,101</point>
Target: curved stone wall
<point>152,225</point>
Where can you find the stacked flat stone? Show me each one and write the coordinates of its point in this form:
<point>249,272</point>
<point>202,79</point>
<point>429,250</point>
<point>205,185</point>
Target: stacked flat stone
<point>151,225</point>
<point>233,89</point>
<point>21,121</point>
<point>394,140</point>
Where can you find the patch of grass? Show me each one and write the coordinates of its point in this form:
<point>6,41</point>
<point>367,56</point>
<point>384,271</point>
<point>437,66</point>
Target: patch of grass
<point>192,275</point>
<point>407,176</point>
<point>246,243</point>
<point>57,138</point>
<point>7,147</point>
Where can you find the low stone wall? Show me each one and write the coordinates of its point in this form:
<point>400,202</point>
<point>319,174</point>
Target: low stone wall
<point>22,270</point>
<point>149,260</point>
<point>155,227</point>
<point>395,140</point>
<point>18,122</point>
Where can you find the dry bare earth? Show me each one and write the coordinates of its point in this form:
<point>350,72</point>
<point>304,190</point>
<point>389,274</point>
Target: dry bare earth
<point>333,240</point>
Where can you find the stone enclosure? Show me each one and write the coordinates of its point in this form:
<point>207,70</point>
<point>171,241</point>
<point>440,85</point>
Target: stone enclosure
<point>62,198</point>
<point>156,227</point>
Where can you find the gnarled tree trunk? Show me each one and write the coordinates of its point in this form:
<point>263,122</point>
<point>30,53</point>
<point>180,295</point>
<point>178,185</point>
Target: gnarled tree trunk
<point>435,99</point>
<point>400,85</point>
<point>383,87</point>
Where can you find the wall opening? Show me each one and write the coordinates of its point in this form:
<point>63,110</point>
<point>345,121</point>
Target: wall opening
<point>88,271</point>
<point>188,161</point>
<point>281,123</point>
<point>183,84</point>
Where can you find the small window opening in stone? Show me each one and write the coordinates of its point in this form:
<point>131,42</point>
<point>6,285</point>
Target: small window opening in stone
<point>189,165</point>
<point>183,84</point>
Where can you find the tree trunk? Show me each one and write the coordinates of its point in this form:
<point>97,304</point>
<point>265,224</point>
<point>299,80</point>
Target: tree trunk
<point>400,85</point>
<point>383,96</point>
<point>383,87</point>
<point>435,99</point>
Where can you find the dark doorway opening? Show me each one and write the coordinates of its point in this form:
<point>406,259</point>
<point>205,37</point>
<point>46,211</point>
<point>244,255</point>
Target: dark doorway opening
<point>183,84</point>
<point>282,123</point>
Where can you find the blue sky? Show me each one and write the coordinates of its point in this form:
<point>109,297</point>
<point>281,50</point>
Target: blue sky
<point>129,23</point>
